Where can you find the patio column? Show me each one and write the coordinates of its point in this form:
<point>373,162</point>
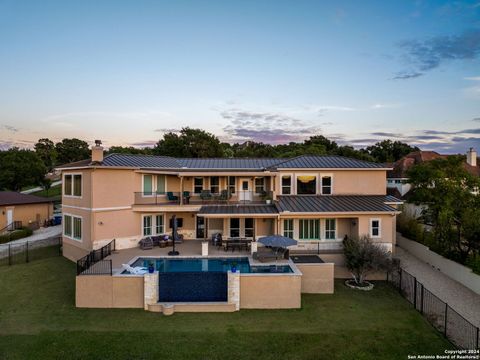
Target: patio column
<point>181,190</point>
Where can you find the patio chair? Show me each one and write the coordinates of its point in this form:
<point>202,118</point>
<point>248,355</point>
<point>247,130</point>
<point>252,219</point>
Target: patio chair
<point>205,195</point>
<point>146,243</point>
<point>156,240</point>
<point>224,195</point>
<point>186,197</point>
<point>135,270</point>
<point>171,197</point>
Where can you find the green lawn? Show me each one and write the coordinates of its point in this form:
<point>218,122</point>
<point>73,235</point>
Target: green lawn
<point>38,320</point>
<point>53,192</point>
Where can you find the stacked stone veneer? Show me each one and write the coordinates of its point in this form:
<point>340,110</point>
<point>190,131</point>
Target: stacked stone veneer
<point>234,289</point>
<point>150,289</point>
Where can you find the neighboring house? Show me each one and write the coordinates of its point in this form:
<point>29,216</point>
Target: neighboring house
<point>317,200</point>
<point>18,209</point>
<point>397,179</point>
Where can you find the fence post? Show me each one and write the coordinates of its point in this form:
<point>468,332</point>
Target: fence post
<point>415,293</point>
<point>478,337</point>
<point>26,252</point>
<point>111,272</point>
<point>446,313</point>
<point>9,254</point>
<point>400,281</point>
<point>421,299</point>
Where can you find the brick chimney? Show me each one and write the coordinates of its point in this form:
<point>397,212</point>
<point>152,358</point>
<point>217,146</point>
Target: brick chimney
<point>97,151</point>
<point>472,157</point>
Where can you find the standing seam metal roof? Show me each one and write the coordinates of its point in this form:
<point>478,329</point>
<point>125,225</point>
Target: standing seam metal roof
<point>335,203</point>
<point>238,209</point>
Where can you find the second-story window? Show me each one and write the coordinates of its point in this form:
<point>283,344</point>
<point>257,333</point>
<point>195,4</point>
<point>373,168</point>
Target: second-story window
<point>286,184</point>
<point>147,184</point>
<point>232,184</point>
<point>259,185</point>
<point>197,185</point>
<point>214,184</point>
<point>326,185</point>
<point>161,184</point>
<point>73,185</point>
<point>306,184</point>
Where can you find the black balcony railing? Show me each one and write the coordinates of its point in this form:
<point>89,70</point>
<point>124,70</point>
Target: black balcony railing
<point>94,263</point>
<point>203,197</point>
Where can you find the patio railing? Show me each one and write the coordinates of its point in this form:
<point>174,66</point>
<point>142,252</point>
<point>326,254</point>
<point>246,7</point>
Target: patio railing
<point>94,263</point>
<point>461,332</point>
<point>204,198</point>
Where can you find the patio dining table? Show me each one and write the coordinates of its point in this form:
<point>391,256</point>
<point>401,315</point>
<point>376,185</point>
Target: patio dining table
<point>236,243</point>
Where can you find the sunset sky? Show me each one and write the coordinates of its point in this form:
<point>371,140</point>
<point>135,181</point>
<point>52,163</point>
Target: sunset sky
<point>274,71</point>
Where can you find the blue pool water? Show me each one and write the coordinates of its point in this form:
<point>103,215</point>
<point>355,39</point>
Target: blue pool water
<point>210,265</point>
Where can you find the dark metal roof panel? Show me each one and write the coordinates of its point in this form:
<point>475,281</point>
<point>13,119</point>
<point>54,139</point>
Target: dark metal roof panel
<point>327,162</point>
<point>238,209</point>
<point>335,203</point>
<point>141,161</point>
<point>16,198</point>
<point>228,163</point>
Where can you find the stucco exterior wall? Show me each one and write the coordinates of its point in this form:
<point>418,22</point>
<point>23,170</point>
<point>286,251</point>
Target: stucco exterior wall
<point>270,291</point>
<point>85,201</point>
<point>102,291</point>
<point>26,213</point>
<point>73,252</point>
<point>317,278</point>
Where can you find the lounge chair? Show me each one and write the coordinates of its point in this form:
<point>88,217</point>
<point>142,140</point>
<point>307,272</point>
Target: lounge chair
<point>205,195</point>
<point>171,197</point>
<point>224,195</point>
<point>135,270</point>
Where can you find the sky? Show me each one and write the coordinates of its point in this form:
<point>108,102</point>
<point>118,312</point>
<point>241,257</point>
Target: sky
<point>275,71</point>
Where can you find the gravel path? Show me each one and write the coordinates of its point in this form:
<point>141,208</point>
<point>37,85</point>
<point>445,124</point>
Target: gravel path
<point>41,234</point>
<point>463,300</point>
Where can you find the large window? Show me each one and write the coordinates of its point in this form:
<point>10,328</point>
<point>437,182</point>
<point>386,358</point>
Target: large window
<point>72,227</point>
<point>326,185</point>
<point>375,228</point>
<point>249,228</point>
<point>159,224</point>
<point>214,184</point>
<point>147,225</point>
<point>234,227</point>
<point>309,229</point>
<point>288,228</point>
<point>147,184</point>
<point>330,229</point>
<point>232,184</point>
<point>72,185</point>
<point>306,184</point>
<point>259,185</point>
<point>286,184</point>
<point>161,181</point>
<point>197,185</point>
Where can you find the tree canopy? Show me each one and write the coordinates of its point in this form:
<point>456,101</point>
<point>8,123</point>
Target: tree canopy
<point>389,151</point>
<point>70,150</point>
<point>20,168</point>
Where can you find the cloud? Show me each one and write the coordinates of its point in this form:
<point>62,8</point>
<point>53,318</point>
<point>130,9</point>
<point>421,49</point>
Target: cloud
<point>426,55</point>
<point>476,119</point>
<point>406,75</point>
<point>146,143</point>
<point>267,127</point>
<point>8,128</point>
<point>473,78</point>
<point>166,130</point>
<point>385,134</point>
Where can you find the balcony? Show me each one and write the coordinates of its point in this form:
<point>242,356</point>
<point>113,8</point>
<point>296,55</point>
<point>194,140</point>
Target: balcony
<point>204,198</point>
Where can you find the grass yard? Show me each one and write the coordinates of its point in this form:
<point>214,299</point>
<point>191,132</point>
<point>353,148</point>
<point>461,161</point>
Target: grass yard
<point>38,320</point>
<point>53,192</point>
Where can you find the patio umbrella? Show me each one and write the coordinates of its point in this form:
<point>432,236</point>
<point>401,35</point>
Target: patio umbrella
<point>277,241</point>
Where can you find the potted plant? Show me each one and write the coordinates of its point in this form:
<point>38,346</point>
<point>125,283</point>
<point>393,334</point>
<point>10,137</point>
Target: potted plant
<point>151,268</point>
<point>268,199</point>
<point>233,268</point>
<point>362,257</point>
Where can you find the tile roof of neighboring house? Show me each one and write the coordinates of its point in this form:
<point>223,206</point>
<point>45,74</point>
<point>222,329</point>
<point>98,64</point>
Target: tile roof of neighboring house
<point>15,198</point>
<point>327,162</point>
<point>401,166</point>
<point>336,203</point>
<point>393,191</point>
<point>238,209</point>
<point>256,164</point>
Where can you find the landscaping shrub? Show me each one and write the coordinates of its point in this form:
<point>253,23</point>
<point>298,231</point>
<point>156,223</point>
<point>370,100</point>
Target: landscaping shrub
<point>16,234</point>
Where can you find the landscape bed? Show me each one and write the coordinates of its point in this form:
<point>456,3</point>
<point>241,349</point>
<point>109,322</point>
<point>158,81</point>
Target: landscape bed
<point>39,320</point>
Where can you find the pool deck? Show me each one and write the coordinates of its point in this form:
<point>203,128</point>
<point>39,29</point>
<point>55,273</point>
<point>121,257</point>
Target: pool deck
<point>189,248</point>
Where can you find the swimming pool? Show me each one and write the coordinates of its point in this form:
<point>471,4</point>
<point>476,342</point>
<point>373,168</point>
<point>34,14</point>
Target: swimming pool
<point>209,265</point>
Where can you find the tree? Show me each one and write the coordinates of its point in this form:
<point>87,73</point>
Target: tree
<point>46,184</point>
<point>389,151</point>
<point>195,143</point>
<point>450,195</point>
<point>363,257</point>
<point>20,168</point>
<point>45,149</point>
<point>70,150</point>
<point>129,150</point>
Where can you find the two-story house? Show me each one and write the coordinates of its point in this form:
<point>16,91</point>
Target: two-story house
<point>316,200</point>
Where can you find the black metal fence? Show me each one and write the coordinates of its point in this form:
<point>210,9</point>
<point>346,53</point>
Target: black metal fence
<point>461,332</point>
<point>26,251</point>
<point>94,264</point>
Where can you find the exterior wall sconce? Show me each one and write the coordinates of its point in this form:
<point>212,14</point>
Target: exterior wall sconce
<point>100,223</point>
<point>354,223</point>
